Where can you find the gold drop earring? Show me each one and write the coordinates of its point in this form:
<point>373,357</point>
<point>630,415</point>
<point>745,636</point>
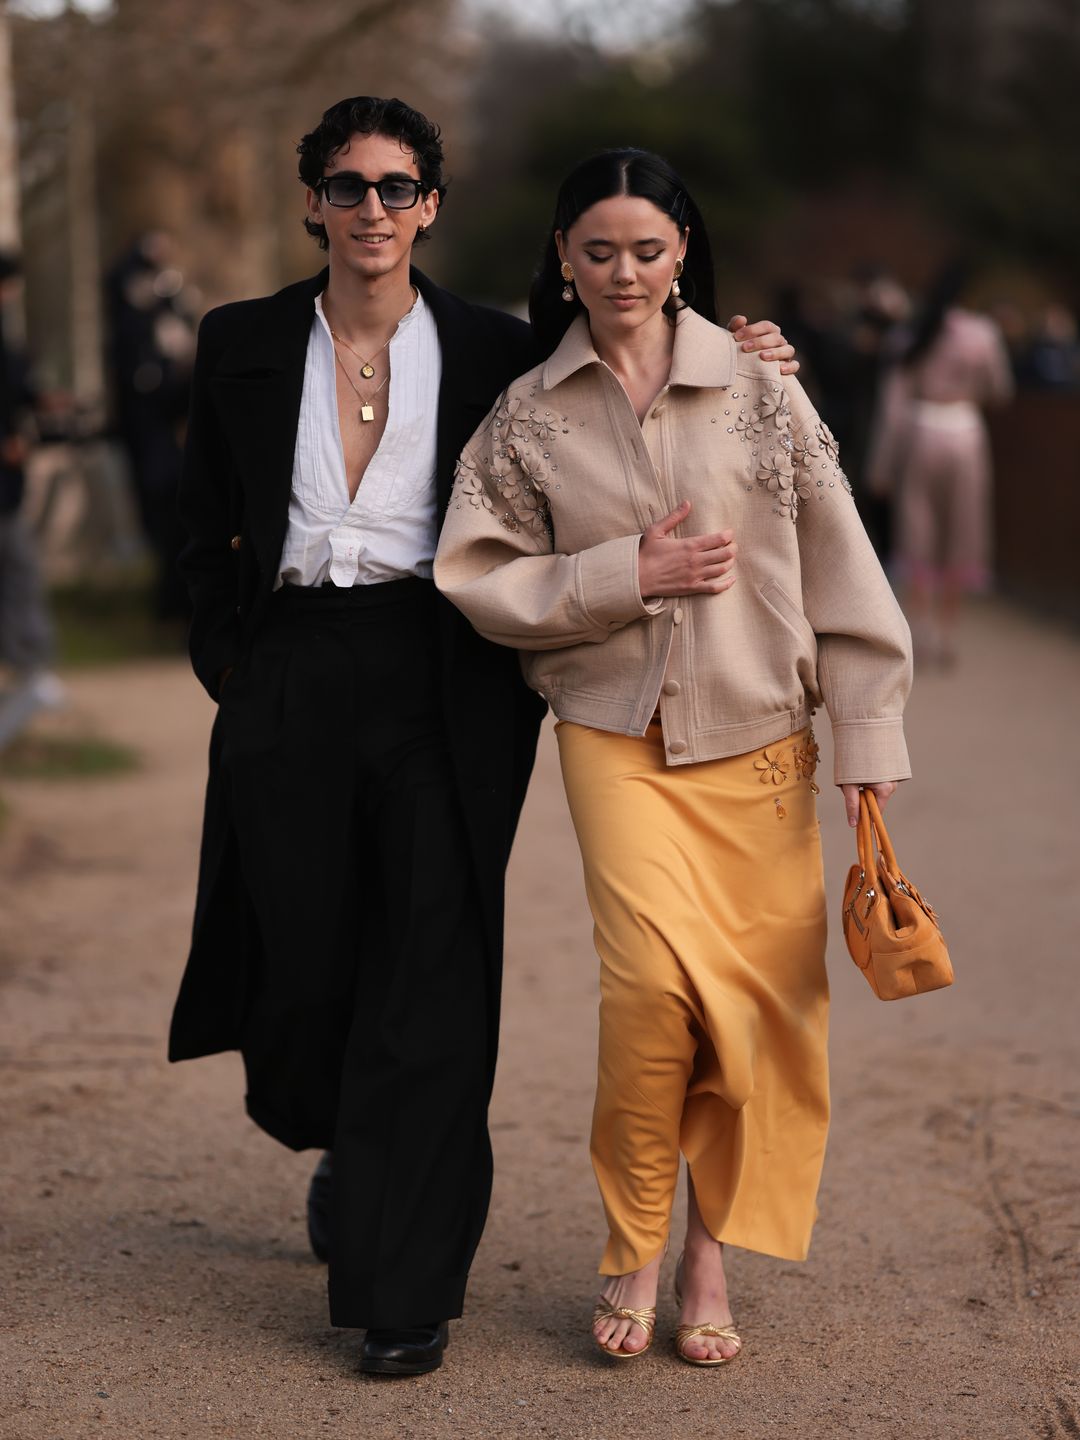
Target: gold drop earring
<point>675,278</point>
<point>567,273</point>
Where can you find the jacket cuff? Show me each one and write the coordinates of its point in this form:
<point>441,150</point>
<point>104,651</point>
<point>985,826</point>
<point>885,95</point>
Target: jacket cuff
<point>608,583</point>
<point>868,751</point>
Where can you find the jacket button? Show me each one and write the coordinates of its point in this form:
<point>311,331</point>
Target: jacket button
<point>677,617</point>
<point>235,542</point>
<point>677,747</point>
<point>672,687</point>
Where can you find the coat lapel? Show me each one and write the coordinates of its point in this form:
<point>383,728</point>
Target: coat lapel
<point>257,390</point>
<point>259,384</point>
<point>468,385</point>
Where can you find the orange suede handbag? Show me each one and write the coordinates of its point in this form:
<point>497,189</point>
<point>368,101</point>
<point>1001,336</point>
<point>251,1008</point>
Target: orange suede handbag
<point>891,931</point>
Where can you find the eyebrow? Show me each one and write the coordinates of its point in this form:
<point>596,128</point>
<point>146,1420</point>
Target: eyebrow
<point>389,175</point>
<point>652,240</point>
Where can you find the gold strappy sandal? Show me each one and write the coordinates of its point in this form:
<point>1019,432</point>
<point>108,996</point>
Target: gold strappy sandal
<point>683,1333</point>
<point>646,1319</point>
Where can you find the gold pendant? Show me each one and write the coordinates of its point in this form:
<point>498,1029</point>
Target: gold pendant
<point>367,412</point>
<point>367,371</point>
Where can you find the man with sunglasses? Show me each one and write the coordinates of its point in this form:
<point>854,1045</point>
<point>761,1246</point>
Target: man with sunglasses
<point>371,752</point>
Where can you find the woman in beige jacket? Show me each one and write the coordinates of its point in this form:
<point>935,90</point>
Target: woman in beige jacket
<point>594,526</point>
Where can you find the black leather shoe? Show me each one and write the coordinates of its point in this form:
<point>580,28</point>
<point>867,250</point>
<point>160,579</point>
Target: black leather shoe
<point>318,1206</point>
<point>404,1352</point>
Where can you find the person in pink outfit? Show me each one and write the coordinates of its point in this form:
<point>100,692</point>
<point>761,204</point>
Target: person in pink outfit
<point>931,450</point>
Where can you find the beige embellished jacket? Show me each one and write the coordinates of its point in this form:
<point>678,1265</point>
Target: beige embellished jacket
<point>539,548</point>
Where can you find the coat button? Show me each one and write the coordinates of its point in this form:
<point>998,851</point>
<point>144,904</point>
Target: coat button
<point>235,542</point>
<point>677,747</point>
<point>672,687</point>
<point>677,617</point>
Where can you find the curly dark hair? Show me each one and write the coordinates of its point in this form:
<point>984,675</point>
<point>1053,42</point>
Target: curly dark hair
<point>368,115</point>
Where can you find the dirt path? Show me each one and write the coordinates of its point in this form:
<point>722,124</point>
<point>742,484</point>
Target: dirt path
<point>156,1280</point>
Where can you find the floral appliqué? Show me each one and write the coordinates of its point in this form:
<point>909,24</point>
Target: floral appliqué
<point>817,464</point>
<point>774,406</point>
<point>517,474</point>
<point>778,470</point>
<point>749,426</point>
<point>469,485</point>
<point>775,473</point>
<point>806,758</point>
<point>791,469</point>
<point>773,768</point>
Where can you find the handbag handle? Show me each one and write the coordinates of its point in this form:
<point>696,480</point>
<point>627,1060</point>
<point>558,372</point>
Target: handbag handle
<point>871,829</point>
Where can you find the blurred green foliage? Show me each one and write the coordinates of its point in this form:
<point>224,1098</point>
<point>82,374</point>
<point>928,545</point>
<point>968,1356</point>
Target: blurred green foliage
<point>101,624</point>
<point>60,757</point>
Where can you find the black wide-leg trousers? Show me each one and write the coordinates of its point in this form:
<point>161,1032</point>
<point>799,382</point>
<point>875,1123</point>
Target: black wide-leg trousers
<point>367,1027</point>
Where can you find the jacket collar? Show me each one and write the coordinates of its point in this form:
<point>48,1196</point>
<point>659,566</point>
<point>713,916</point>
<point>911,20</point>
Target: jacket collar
<point>704,355</point>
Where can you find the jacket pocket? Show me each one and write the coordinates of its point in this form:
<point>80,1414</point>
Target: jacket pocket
<point>782,605</point>
<point>780,601</point>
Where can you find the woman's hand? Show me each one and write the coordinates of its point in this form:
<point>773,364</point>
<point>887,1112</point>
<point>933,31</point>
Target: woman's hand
<point>763,335</point>
<point>700,565</point>
<point>882,789</point>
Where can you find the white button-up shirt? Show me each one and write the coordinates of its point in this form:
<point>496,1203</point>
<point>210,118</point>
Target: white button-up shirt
<point>389,531</point>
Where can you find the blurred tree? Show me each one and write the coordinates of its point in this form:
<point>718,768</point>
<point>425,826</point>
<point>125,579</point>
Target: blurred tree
<point>10,231</point>
<point>184,118</point>
<point>815,134</point>
<point>1001,134</point>
<point>579,101</point>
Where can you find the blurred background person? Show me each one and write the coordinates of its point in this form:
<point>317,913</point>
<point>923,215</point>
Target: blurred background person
<point>931,451</point>
<point>845,333</point>
<point>1052,358</point>
<point>880,307</point>
<point>150,352</point>
<point>26,636</point>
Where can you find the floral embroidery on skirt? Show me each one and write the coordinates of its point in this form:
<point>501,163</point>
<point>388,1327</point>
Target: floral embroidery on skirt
<point>774,766</point>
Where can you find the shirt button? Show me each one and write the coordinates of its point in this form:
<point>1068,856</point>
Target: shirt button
<point>677,747</point>
<point>671,687</point>
<point>657,410</point>
<point>677,617</point>
<point>235,542</point>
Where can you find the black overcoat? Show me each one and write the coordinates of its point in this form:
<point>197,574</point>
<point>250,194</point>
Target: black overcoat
<point>234,502</point>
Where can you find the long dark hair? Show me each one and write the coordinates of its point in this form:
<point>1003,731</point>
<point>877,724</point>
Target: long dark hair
<point>951,282</point>
<point>620,172</point>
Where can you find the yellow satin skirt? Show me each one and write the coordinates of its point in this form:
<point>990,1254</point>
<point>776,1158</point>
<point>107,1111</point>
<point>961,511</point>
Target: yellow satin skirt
<point>705,885</point>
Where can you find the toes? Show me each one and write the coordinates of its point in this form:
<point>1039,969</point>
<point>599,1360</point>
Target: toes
<point>709,1347</point>
<point>635,1340</point>
<point>618,1337</point>
<point>621,1335</point>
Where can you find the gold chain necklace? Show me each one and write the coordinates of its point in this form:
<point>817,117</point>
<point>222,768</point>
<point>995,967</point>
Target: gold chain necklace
<point>367,410</point>
<point>367,369</point>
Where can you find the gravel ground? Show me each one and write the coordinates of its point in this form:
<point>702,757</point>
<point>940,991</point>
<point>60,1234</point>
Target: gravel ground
<point>156,1279</point>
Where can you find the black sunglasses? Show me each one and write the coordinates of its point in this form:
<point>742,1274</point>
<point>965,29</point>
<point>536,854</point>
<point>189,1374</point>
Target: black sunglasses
<point>346,190</point>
